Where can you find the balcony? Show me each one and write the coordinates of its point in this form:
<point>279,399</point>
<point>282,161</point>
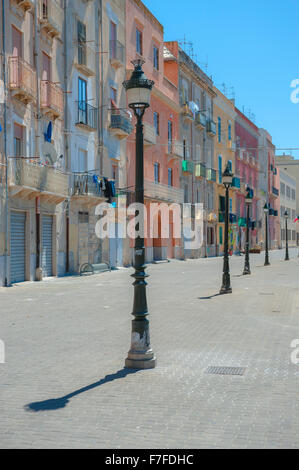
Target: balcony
<point>275,191</point>
<point>31,179</point>
<point>211,128</point>
<point>200,170</point>
<point>150,135</point>
<point>120,124</point>
<point>51,18</point>
<point>51,98</point>
<point>187,166</point>
<point>211,175</point>
<point>87,116</point>
<point>25,4</point>
<point>187,113</point>
<point>86,189</point>
<point>85,60</point>
<point>163,193</point>
<point>200,120</point>
<point>175,150</point>
<point>22,80</point>
<point>117,54</point>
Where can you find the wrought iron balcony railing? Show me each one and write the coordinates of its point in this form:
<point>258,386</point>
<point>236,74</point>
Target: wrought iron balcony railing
<point>87,115</point>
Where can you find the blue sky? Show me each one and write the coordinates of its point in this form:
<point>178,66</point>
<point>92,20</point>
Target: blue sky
<point>251,45</point>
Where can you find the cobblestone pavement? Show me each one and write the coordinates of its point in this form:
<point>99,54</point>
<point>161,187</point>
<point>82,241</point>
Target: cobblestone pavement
<point>67,339</point>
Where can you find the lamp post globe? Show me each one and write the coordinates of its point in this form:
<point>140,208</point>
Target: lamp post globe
<point>286,216</point>
<point>248,202</point>
<point>227,179</point>
<point>140,355</point>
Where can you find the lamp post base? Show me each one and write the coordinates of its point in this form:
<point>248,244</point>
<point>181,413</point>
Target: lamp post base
<point>226,290</point>
<point>141,361</point>
<point>246,271</point>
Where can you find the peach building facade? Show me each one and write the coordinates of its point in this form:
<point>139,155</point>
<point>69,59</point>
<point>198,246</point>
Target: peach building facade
<point>163,151</point>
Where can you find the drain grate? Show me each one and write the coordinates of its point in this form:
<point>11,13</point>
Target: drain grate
<point>266,293</point>
<point>220,370</point>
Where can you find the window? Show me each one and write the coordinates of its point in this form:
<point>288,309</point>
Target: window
<point>230,205</point>
<point>230,164</point>
<point>293,194</point>
<point>229,132</point>
<point>113,94</point>
<point>170,182</point>
<point>282,189</point>
<point>170,136</point>
<point>82,102</point>
<point>17,42</point>
<point>220,235</point>
<point>157,172</point>
<point>288,192</point>
<point>115,173</point>
<point>186,194</point>
<point>113,39</point>
<point>210,236</point>
<point>157,123</point>
<point>18,140</point>
<point>220,168</point>
<point>221,204</point>
<point>81,31</point>
<point>156,58</point>
<point>82,161</point>
<point>138,41</point>
<point>219,129</point>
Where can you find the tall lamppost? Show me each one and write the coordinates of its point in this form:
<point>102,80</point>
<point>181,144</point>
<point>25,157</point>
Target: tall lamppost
<point>248,202</point>
<point>266,210</point>
<point>227,179</point>
<point>141,355</point>
<point>286,216</point>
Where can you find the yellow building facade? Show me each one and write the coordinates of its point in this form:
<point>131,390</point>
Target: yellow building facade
<point>224,148</point>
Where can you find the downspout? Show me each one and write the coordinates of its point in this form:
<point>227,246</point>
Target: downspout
<point>38,272</point>
<point>5,146</point>
<point>101,142</point>
<point>66,138</point>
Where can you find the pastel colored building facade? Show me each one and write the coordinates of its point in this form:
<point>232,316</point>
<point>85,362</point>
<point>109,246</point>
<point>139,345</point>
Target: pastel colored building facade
<point>247,169</point>
<point>225,147</point>
<point>163,151</point>
<point>197,134</point>
<point>288,195</point>
<point>268,191</point>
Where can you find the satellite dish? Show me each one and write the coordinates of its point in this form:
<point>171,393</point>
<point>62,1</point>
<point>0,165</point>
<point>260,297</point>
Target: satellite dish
<point>49,153</point>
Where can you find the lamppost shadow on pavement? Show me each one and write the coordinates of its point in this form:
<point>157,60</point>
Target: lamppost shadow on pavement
<point>58,403</point>
<point>210,297</point>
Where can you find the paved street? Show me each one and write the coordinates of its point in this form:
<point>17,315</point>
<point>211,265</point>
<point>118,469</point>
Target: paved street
<point>63,384</point>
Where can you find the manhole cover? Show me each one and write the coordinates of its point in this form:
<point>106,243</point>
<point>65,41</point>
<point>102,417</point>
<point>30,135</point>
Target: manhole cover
<point>266,293</point>
<point>220,370</point>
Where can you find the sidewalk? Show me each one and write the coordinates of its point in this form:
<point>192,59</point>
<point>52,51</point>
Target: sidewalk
<point>66,342</point>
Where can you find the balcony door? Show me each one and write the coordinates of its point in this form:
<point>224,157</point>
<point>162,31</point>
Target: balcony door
<point>113,39</point>
<point>82,105</point>
<point>46,73</point>
<point>17,42</point>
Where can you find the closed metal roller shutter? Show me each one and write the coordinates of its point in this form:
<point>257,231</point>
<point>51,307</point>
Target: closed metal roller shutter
<point>47,246</point>
<point>17,246</point>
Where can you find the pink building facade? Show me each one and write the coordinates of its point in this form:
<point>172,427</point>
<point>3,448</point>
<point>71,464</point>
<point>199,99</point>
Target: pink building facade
<point>247,169</point>
<point>162,163</point>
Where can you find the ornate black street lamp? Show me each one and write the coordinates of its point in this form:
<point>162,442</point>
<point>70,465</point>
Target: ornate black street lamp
<point>266,210</point>
<point>286,216</point>
<point>227,179</point>
<point>248,202</point>
<point>140,355</point>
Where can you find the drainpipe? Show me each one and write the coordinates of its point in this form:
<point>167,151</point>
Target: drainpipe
<point>38,271</point>
<point>66,137</point>
<point>101,131</point>
<point>5,146</point>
